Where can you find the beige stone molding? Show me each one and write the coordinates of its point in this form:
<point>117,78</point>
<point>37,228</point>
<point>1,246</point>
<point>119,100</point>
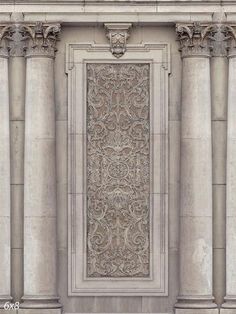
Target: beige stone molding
<point>79,57</point>
<point>117,33</point>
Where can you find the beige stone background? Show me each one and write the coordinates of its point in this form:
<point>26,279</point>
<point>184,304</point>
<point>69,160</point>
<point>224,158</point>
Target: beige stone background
<point>153,21</point>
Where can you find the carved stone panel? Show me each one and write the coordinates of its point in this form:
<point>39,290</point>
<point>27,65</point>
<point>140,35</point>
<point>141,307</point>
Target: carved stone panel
<point>118,170</point>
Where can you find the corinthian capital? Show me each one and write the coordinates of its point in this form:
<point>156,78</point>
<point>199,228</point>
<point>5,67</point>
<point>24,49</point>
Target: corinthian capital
<point>41,39</point>
<point>193,39</point>
<point>215,39</point>
<point>117,33</point>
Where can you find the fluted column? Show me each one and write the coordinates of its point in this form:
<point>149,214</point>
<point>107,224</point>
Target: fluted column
<point>5,233</point>
<point>195,294</point>
<point>229,307</point>
<point>40,269</point>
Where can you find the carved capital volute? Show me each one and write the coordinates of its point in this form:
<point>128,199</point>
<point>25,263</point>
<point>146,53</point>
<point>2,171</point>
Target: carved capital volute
<point>193,40</point>
<point>232,41</point>
<point>41,39</point>
<point>4,32</point>
<point>117,33</point>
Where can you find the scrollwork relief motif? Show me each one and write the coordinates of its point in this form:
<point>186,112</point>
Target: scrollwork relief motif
<point>118,162</point>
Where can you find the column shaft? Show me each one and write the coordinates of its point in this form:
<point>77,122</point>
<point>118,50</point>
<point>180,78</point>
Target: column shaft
<point>17,116</point>
<point>40,250</point>
<point>219,78</point>
<point>40,185</point>
<point>196,286</point>
<point>231,194</point>
<point>5,237</point>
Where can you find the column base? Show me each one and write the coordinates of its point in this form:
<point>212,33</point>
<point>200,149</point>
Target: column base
<point>195,302</point>
<point>230,303</point>
<point>39,311</point>
<point>198,311</point>
<point>40,302</point>
<point>4,299</point>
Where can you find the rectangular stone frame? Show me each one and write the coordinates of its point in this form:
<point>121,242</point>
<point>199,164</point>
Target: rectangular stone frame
<point>77,56</point>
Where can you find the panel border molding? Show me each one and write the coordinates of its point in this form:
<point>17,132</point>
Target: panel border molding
<point>77,56</point>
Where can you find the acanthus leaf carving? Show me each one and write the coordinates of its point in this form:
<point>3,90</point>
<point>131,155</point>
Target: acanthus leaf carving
<point>193,39</point>
<point>4,32</point>
<point>42,38</point>
<point>214,39</point>
<point>118,35</point>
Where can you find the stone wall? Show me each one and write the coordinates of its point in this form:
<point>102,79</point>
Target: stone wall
<point>134,220</point>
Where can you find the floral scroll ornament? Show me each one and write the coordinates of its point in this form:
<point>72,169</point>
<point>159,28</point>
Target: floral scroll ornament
<point>117,35</point>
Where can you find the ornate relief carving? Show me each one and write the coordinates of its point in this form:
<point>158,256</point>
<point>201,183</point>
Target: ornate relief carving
<point>118,162</point>
<point>218,35</point>
<point>29,39</point>
<point>216,39</point>
<point>117,35</point>
<point>17,40</point>
<point>231,32</point>
<point>4,32</point>
<point>41,38</point>
<point>193,39</point>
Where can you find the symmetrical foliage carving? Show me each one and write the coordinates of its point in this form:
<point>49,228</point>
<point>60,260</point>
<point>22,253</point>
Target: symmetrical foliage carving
<point>118,166</point>
<point>215,39</point>
<point>4,32</point>
<point>29,39</point>
<point>118,35</point>
<point>193,39</point>
<point>42,38</point>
